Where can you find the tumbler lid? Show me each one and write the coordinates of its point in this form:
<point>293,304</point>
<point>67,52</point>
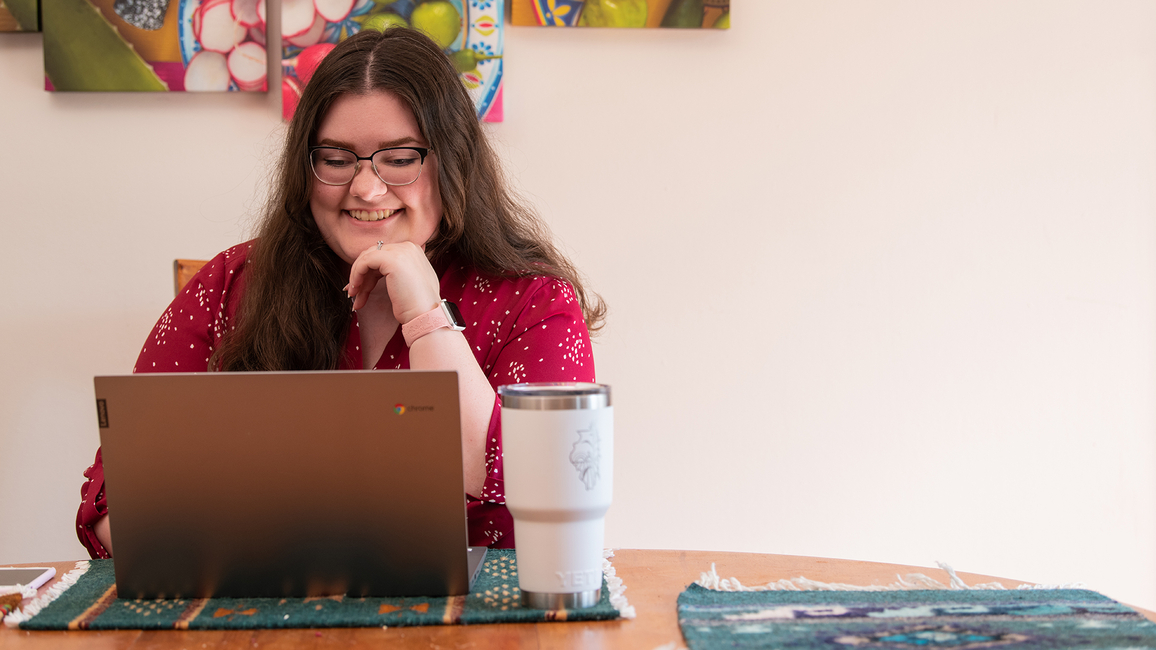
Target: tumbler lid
<point>555,396</point>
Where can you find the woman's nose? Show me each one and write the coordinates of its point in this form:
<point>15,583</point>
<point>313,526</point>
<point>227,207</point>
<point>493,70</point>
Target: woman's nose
<point>366,185</point>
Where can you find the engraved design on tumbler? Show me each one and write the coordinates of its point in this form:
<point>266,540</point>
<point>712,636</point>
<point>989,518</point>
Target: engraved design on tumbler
<point>585,457</point>
<point>584,580</point>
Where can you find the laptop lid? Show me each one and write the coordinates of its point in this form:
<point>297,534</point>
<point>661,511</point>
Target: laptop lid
<point>285,484</point>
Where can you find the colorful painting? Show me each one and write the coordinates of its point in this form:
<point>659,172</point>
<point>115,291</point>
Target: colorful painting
<point>19,15</point>
<point>469,31</point>
<point>622,13</point>
<point>154,45</point>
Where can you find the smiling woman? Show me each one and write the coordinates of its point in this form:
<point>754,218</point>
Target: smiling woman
<point>389,196</point>
<point>394,197</point>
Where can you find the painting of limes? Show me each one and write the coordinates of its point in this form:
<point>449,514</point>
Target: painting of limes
<point>468,31</point>
<point>622,13</point>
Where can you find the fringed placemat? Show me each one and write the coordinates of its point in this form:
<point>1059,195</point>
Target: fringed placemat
<point>90,603</point>
<point>916,612</point>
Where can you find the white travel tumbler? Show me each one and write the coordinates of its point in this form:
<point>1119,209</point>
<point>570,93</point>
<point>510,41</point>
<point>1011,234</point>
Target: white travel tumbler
<point>558,450</point>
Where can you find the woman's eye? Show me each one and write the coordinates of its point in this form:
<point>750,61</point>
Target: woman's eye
<point>398,161</point>
<point>336,162</point>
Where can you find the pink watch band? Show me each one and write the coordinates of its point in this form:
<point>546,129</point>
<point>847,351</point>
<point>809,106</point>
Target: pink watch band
<point>434,319</point>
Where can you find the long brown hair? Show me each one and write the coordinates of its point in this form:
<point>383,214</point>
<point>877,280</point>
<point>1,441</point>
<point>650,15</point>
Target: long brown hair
<point>293,314</point>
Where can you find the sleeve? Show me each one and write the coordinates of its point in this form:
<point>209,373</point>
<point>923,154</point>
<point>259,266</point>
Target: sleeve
<point>92,508</point>
<point>181,341</point>
<point>184,337</point>
<point>546,341</point>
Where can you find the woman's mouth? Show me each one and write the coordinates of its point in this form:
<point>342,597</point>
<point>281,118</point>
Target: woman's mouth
<point>370,215</point>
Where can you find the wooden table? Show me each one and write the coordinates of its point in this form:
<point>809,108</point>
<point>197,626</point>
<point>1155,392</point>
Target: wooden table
<point>653,579</point>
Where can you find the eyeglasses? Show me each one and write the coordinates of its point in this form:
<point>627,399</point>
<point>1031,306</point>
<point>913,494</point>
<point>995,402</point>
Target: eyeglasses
<point>394,166</point>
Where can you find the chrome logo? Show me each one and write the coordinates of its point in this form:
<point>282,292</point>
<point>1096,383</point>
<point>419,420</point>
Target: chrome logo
<point>399,409</point>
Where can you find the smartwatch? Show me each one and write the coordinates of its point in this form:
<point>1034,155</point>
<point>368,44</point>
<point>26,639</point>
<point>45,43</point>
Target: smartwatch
<point>446,314</point>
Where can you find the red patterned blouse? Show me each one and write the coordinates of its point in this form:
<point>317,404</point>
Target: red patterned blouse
<point>525,329</point>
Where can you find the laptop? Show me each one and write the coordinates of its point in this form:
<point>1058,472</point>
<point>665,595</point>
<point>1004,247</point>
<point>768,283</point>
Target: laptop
<point>285,484</point>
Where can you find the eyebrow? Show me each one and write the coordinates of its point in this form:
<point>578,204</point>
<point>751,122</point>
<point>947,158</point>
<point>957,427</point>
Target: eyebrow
<point>380,145</point>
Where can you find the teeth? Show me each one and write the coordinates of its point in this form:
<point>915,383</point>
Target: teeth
<point>370,215</point>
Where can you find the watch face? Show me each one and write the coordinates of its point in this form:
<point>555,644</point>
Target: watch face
<point>455,316</point>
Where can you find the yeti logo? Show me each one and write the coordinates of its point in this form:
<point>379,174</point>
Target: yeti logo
<point>585,457</point>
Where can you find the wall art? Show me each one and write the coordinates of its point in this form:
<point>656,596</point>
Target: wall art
<point>622,13</point>
<point>19,15</point>
<point>469,31</point>
<point>154,45</point>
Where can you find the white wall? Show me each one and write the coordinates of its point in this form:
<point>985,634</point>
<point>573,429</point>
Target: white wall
<point>882,274</point>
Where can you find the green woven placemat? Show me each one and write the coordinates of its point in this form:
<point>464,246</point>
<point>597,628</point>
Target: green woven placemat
<point>1029,618</point>
<point>91,604</point>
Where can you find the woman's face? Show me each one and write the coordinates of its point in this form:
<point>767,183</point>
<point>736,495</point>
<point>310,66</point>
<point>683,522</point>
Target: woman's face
<point>357,215</point>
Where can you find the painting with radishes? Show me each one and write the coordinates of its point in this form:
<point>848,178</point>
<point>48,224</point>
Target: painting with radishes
<point>469,31</point>
<point>154,45</point>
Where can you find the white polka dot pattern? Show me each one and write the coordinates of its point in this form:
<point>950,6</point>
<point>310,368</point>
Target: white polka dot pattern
<point>527,329</point>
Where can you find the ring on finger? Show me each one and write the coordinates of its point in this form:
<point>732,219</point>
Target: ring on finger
<point>379,243</point>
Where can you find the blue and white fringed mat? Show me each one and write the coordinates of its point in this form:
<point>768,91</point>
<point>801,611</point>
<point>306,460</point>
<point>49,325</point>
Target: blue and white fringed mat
<point>915,612</point>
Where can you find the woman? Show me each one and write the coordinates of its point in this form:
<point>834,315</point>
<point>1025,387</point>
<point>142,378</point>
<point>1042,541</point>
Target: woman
<point>389,200</point>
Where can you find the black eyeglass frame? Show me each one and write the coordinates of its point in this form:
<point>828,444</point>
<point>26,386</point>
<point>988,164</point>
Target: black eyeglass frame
<point>421,151</point>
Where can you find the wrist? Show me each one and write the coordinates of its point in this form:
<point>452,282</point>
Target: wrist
<point>444,315</point>
<point>414,314</point>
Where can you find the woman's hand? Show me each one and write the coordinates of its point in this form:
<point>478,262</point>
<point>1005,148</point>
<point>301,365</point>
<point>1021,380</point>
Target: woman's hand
<point>413,289</point>
<point>103,534</point>
<point>410,281</point>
